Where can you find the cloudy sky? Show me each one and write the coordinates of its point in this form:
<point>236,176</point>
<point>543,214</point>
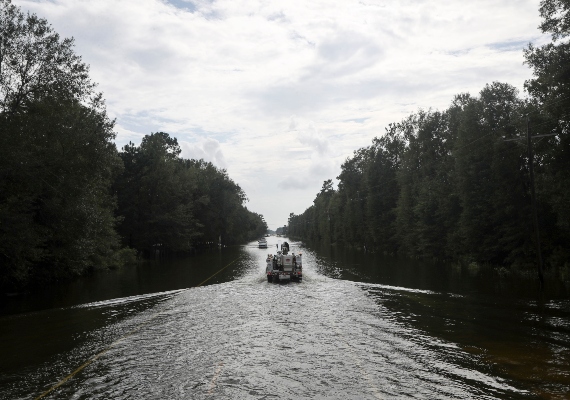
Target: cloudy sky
<point>280,93</point>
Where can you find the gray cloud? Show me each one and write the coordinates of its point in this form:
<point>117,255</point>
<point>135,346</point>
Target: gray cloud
<point>292,123</point>
<point>298,183</point>
<point>314,139</point>
<point>279,17</point>
<point>346,46</point>
<point>315,95</point>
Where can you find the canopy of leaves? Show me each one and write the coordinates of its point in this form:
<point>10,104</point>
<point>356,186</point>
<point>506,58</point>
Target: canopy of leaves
<point>36,63</point>
<point>171,204</point>
<point>556,18</point>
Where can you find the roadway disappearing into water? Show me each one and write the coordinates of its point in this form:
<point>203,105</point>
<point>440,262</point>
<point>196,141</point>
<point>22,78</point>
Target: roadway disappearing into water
<point>332,336</point>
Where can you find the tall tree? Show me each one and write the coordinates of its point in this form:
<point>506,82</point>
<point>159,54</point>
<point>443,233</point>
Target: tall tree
<point>173,204</point>
<point>550,90</point>
<point>36,63</point>
<point>57,162</point>
<point>427,184</point>
<point>155,196</point>
<point>491,178</point>
<point>383,188</point>
<point>57,159</point>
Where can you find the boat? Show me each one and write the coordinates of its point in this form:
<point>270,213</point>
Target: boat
<point>262,243</point>
<point>284,267</point>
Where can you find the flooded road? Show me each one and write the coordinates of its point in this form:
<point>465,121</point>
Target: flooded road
<point>357,327</point>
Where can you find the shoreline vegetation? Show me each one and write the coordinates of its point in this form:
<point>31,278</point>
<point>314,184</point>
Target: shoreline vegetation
<point>456,185</point>
<point>70,202</point>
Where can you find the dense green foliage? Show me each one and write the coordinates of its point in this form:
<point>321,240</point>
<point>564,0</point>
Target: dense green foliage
<point>447,185</point>
<point>170,204</point>
<point>68,198</point>
<point>57,160</point>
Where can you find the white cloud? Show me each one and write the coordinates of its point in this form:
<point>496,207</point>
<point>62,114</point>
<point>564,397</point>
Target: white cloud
<point>225,76</point>
<point>207,149</point>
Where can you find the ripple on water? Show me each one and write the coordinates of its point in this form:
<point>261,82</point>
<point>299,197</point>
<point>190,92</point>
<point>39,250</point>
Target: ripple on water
<point>248,339</point>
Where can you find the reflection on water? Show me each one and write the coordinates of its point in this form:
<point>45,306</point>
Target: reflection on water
<point>145,278</point>
<point>357,266</point>
<point>358,327</point>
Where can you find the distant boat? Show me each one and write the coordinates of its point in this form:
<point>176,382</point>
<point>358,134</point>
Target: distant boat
<point>262,243</point>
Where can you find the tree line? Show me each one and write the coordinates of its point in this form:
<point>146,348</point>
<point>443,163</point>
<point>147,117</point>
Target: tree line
<point>70,202</point>
<point>455,184</point>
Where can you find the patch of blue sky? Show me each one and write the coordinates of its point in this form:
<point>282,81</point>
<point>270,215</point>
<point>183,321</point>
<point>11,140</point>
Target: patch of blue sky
<point>146,123</point>
<point>183,4</point>
<point>142,122</point>
<point>516,45</point>
<point>195,6</point>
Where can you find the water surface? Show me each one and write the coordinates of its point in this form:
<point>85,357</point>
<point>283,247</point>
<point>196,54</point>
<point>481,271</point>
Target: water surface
<point>359,326</point>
